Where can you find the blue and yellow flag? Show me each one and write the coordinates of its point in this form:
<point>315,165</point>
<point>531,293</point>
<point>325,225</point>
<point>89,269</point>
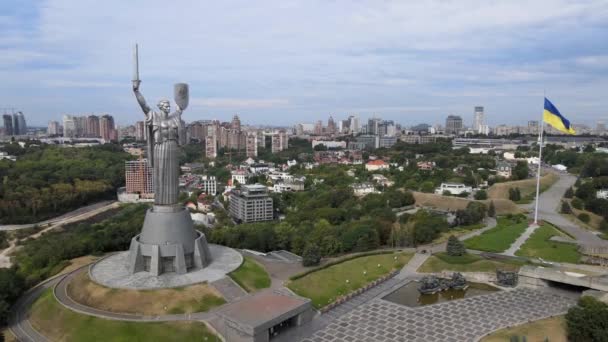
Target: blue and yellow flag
<point>553,117</point>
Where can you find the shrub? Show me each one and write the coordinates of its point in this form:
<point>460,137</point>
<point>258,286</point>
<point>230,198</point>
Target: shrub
<point>481,195</point>
<point>604,225</point>
<point>569,193</point>
<point>492,210</point>
<point>577,203</point>
<point>584,217</point>
<point>455,247</point>
<point>311,255</point>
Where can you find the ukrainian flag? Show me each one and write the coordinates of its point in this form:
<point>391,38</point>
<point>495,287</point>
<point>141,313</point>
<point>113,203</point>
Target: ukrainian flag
<point>553,117</point>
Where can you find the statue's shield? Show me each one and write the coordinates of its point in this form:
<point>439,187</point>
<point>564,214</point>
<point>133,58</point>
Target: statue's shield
<point>181,95</point>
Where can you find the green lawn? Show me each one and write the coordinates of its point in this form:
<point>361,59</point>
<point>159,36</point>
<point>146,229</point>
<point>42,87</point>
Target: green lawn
<point>539,246</point>
<point>458,231</point>
<point>499,238</point>
<point>60,324</point>
<point>467,263</point>
<point>251,276</point>
<point>325,285</point>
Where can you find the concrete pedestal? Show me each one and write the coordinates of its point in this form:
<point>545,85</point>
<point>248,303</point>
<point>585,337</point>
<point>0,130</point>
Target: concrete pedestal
<point>168,243</point>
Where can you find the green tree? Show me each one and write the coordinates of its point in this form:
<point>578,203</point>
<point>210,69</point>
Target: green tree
<point>587,321</point>
<point>569,193</point>
<point>584,217</point>
<point>514,194</point>
<point>455,247</point>
<point>577,203</point>
<point>520,171</point>
<point>585,191</point>
<point>427,186</point>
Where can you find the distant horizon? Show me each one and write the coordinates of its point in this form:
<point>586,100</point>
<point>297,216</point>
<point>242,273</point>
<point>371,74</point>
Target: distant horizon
<point>279,62</point>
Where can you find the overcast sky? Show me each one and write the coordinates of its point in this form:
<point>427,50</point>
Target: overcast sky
<point>282,62</point>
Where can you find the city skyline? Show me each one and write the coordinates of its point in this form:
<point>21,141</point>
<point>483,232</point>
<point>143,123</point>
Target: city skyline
<point>280,64</point>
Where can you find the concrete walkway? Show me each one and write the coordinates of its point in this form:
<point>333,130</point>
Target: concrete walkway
<point>520,240</point>
<point>230,290</point>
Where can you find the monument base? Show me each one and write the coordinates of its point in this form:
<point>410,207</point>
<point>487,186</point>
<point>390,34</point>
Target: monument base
<point>168,243</point>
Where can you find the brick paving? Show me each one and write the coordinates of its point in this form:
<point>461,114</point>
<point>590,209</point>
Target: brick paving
<point>460,320</point>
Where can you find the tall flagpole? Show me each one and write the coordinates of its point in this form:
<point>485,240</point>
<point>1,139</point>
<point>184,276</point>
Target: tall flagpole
<point>540,161</point>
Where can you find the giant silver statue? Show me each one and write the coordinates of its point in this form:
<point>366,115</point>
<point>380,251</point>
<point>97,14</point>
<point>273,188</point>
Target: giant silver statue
<point>165,132</point>
<point>168,241</point>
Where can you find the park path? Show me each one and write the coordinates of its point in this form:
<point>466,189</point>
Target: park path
<point>229,289</point>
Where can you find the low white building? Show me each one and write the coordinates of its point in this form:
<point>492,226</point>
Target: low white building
<point>329,144</point>
<point>603,194</point>
<point>240,176</point>
<point>362,189</point>
<point>453,188</point>
<point>382,180</point>
<point>560,167</point>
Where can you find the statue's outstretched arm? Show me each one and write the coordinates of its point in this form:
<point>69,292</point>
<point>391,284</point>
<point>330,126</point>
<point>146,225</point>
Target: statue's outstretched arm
<point>140,98</point>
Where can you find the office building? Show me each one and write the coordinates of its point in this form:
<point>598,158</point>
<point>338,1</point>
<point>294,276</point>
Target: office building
<point>373,126</point>
<point>251,204</point>
<point>479,120</point>
<point>19,125</point>
<point>453,124</point>
<point>138,177</point>
<point>8,124</point>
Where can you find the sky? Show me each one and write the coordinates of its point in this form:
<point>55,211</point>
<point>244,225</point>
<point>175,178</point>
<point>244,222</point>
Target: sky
<point>285,62</point>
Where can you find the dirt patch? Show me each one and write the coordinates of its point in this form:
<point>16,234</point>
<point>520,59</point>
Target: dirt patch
<point>194,298</point>
<point>503,206</point>
<point>77,263</point>
<point>526,187</point>
<point>8,336</point>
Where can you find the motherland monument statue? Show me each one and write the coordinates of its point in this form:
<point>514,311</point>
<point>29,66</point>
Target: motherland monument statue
<point>168,241</point>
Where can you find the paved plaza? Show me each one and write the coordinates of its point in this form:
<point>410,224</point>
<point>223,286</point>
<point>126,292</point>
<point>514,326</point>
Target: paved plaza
<point>460,320</point>
<point>113,271</point>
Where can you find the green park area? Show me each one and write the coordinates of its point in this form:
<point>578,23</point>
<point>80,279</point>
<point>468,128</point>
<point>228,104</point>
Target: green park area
<point>327,283</point>
<point>251,276</point>
<point>60,324</point>
<point>466,263</point>
<point>549,329</point>
<point>539,245</point>
<point>501,237</point>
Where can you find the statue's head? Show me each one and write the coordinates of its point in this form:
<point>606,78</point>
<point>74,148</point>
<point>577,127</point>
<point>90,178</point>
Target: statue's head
<point>164,106</point>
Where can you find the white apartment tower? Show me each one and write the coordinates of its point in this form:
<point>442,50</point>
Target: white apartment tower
<point>479,120</point>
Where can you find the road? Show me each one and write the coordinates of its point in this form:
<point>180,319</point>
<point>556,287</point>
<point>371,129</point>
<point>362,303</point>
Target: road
<point>549,206</point>
<point>76,215</point>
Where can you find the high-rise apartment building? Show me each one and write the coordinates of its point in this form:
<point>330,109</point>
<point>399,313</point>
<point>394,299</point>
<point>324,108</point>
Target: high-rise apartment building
<point>479,119</point>
<point>318,128</point>
<point>53,128</point>
<point>138,177</point>
<point>211,146</point>
<point>92,127</point>
<point>140,131</point>
<point>236,123</point>
<point>251,144</point>
<point>280,142</point>
<point>8,124</point>
<point>331,125</point>
<point>69,126</point>
<point>453,124</point>
<point>251,204</point>
<point>208,185</point>
<point>107,130</point>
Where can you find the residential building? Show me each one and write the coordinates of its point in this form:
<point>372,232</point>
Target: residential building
<point>92,127</point>
<point>140,131</point>
<point>533,127</point>
<point>236,123</point>
<point>425,165</point>
<point>453,124</point>
<point>318,129</point>
<point>53,128</point>
<point>251,145</point>
<point>603,194</point>
<point>251,204</point>
<point>138,177</point>
<point>382,180</point>
<point>107,130</point>
<point>211,147</point>
<point>362,189</point>
<point>453,188</point>
<point>331,125</point>
<point>240,176</point>
<point>375,165</point>
<point>207,184</point>
<point>280,142</point>
<point>372,126</point>
<point>386,141</point>
<point>369,141</point>
<point>329,144</point>
<point>69,126</point>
